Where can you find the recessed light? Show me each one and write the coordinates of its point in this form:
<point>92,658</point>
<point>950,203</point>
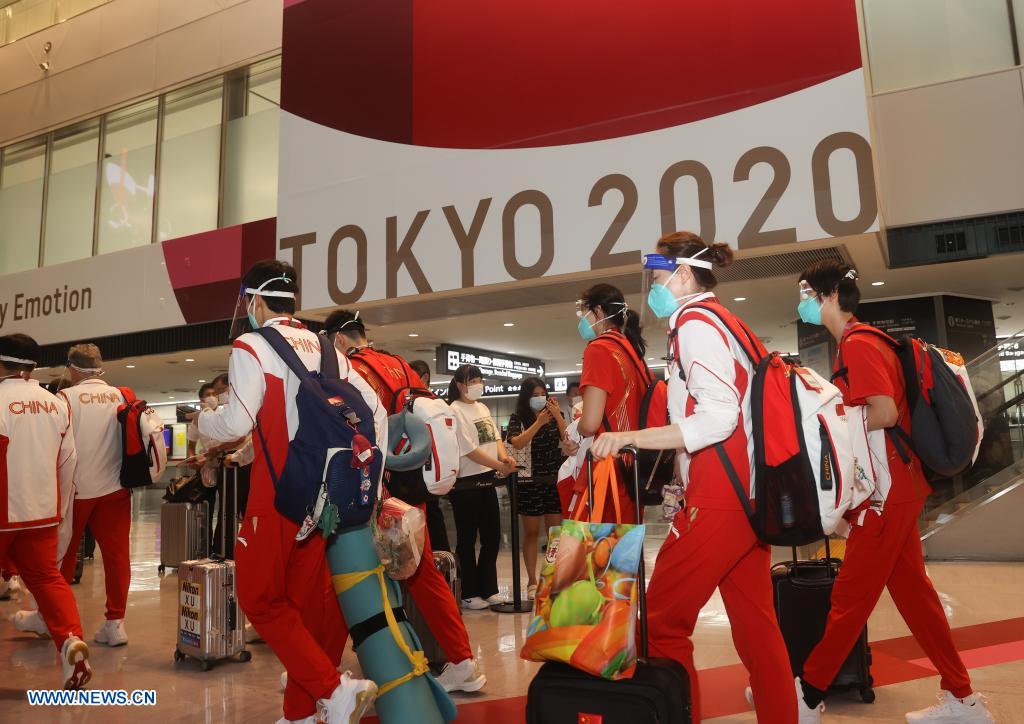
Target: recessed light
<point>131,367</point>
<point>170,397</point>
<point>433,359</point>
<point>189,359</point>
<point>202,380</point>
<point>413,334</point>
<point>509,324</point>
<point>739,299</point>
<point>579,364</point>
<point>878,284</point>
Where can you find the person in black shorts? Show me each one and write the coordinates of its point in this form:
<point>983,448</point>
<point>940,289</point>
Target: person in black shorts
<point>534,433</point>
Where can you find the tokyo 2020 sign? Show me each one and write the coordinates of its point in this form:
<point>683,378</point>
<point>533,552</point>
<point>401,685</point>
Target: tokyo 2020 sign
<point>436,145</point>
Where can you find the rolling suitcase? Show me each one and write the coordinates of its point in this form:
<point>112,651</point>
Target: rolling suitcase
<point>211,625</point>
<point>658,693</point>
<point>803,598</point>
<point>184,533</point>
<point>448,565</point>
<point>79,562</point>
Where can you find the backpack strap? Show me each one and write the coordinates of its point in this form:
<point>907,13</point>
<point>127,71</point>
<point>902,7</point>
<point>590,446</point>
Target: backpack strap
<point>746,339</point>
<point>734,479</point>
<point>128,394</point>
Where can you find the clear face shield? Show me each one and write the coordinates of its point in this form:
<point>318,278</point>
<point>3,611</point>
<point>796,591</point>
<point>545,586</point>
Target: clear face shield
<point>244,318</point>
<point>658,291</point>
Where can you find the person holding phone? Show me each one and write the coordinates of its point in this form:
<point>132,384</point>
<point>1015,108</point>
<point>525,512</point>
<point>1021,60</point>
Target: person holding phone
<point>535,429</point>
<point>473,497</point>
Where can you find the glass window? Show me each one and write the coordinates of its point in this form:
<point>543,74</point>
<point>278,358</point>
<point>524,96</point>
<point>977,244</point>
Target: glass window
<point>71,194</point>
<point>21,205</point>
<point>126,194</point>
<point>29,16</point>
<point>250,180</point>
<point>190,161</point>
<point>69,8</point>
<point>915,42</point>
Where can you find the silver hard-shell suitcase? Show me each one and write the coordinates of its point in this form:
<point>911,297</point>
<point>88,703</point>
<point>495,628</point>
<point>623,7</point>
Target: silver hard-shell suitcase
<point>184,533</point>
<point>211,624</point>
<point>448,565</point>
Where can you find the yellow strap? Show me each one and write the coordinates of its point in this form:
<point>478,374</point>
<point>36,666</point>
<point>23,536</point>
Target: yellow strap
<point>420,665</point>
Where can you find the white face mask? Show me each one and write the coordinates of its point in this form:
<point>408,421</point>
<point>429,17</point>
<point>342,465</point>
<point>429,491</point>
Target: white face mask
<point>210,402</point>
<point>222,398</point>
<point>475,392</point>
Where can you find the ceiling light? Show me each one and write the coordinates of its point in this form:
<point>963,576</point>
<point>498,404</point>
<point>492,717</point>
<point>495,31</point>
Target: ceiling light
<point>170,397</point>
<point>131,367</point>
<point>878,284</point>
<point>189,359</point>
<point>202,380</point>
<point>413,334</point>
<point>509,324</point>
<point>739,299</point>
<point>579,364</point>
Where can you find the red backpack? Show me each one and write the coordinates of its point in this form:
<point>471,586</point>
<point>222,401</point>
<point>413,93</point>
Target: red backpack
<point>143,452</point>
<point>655,467</point>
<point>403,385</point>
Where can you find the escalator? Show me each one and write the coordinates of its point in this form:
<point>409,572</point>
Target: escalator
<point>979,515</point>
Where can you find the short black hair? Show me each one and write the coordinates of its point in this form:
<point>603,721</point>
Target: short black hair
<point>568,389</point>
<point>262,272</point>
<point>221,379</point>
<point>345,321</point>
<point>829,276</point>
<point>421,368</point>
<point>19,346</point>
<point>204,388</point>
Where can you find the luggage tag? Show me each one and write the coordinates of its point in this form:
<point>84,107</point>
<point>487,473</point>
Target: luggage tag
<point>673,498</point>
<point>313,516</point>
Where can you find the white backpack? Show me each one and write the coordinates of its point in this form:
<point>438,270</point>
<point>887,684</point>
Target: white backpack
<point>440,471</point>
<point>153,432</point>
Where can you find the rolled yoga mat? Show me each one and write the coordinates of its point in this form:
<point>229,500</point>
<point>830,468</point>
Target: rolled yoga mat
<point>408,691</point>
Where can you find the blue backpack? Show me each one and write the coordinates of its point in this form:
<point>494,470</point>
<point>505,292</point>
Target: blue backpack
<point>332,416</point>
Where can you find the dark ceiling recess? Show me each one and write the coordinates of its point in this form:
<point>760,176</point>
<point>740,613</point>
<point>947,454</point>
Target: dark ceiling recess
<point>154,341</point>
<point>975,238</point>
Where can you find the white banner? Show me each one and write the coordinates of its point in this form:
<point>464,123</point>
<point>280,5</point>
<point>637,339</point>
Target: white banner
<point>376,220</point>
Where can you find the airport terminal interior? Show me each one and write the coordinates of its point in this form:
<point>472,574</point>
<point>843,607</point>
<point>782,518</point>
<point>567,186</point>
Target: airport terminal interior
<point>463,176</point>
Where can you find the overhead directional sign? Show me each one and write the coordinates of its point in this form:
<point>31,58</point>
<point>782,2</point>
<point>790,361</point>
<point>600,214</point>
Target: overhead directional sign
<point>492,364</point>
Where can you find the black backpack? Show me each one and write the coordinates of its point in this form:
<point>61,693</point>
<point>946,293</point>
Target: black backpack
<point>945,430</point>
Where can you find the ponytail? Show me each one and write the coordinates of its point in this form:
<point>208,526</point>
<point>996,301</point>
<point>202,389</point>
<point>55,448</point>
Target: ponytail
<point>631,329</point>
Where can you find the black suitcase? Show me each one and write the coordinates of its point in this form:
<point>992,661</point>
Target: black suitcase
<point>803,599</point>
<point>658,693</point>
<point>448,565</point>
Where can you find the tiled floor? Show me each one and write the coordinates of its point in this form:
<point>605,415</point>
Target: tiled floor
<point>249,692</point>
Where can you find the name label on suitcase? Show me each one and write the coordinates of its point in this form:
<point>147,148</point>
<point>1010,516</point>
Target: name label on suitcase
<point>190,618</point>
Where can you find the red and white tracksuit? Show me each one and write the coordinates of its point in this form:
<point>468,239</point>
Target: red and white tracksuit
<point>884,549</point>
<point>281,582</point>
<point>37,462</point>
<point>711,544</point>
<point>427,586</point>
<point>100,501</point>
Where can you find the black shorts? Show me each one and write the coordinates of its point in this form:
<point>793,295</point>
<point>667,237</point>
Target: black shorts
<point>538,498</point>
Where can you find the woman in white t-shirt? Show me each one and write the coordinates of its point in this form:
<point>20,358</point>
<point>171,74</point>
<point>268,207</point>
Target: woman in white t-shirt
<point>473,498</point>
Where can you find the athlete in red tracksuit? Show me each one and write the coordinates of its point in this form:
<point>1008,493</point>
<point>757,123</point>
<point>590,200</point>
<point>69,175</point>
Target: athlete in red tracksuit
<point>884,547</point>
<point>37,462</point>
<point>282,582</point>
<point>711,543</point>
<point>100,501</point>
<point>427,586</point>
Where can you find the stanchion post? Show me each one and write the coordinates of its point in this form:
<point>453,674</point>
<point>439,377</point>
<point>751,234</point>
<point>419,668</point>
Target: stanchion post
<point>516,605</point>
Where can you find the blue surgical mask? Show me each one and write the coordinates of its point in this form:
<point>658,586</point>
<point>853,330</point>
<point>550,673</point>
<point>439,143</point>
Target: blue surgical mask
<point>586,329</point>
<point>809,311</point>
<point>253,322</point>
<point>538,403</point>
<point>661,301</point>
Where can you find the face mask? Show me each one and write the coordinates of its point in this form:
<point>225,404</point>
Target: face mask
<point>577,400</point>
<point>538,403</point>
<point>475,392</point>
<point>586,329</point>
<point>210,402</point>
<point>809,311</point>
<point>222,398</point>
<point>661,301</point>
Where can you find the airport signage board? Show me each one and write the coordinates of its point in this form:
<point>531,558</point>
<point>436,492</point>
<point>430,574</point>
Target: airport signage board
<point>493,364</point>
<point>406,168</point>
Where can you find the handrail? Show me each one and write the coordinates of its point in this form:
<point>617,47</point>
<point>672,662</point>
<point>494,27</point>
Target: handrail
<point>1001,385</point>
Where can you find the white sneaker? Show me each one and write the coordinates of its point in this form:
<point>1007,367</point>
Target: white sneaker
<point>498,598</point>
<point>475,603</point>
<point>950,710</point>
<point>112,633</point>
<point>251,635</point>
<point>31,622</point>
<point>348,703</point>
<point>807,714</point>
<point>464,676</point>
<point>15,586</point>
<point>74,659</point>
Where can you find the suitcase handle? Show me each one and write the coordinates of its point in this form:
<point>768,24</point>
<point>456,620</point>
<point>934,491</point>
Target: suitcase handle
<point>641,576</point>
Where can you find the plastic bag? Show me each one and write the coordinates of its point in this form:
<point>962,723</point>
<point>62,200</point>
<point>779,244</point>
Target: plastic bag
<point>398,534</point>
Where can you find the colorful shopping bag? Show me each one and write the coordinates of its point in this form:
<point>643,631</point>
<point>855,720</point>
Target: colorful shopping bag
<point>586,603</point>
